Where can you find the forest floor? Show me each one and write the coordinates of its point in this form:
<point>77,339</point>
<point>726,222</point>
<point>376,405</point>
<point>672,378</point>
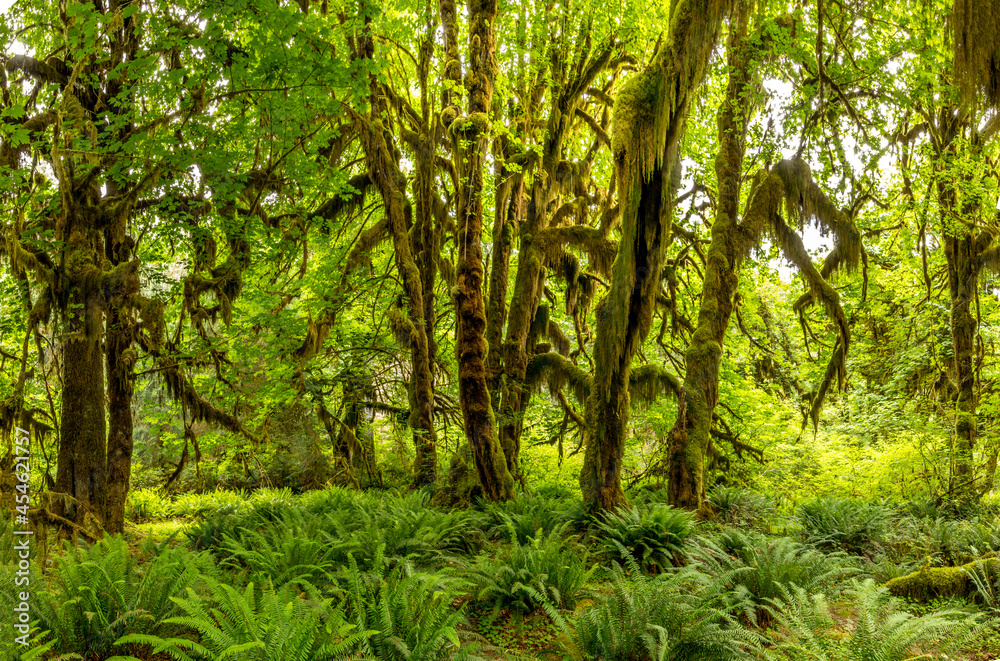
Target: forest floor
<point>532,579</point>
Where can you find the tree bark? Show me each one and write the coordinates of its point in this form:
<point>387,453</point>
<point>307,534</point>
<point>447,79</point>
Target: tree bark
<point>391,184</point>
<point>118,249</point>
<point>650,113</point>
<point>690,437</point>
<point>962,282</point>
<point>120,362</point>
<point>82,472</point>
<point>470,135</point>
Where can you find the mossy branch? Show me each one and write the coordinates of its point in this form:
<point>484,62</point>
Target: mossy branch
<point>348,203</point>
<point>600,250</point>
<point>558,371</point>
<point>648,382</point>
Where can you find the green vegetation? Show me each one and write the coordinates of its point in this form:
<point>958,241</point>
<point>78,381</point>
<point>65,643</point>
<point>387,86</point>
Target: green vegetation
<point>505,329</point>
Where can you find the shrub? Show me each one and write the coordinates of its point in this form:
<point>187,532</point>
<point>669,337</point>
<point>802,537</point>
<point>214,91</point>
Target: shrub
<point>654,537</point>
<point>847,525</point>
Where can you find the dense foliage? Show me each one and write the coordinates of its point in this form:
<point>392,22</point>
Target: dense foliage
<point>400,330</point>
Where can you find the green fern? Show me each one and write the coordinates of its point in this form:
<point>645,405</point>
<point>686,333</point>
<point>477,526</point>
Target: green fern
<point>524,516</point>
<point>758,568</point>
<point>100,593</point>
<point>521,577</point>
<point>845,525</point>
<point>281,625</point>
<point>411,613</point>
<point>985,577</point>
<point>667,617</point>
<point>655,537</point>
<point>882,632</point>
<point>741,507</point>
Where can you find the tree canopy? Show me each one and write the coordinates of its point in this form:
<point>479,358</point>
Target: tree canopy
<point>259,242</point>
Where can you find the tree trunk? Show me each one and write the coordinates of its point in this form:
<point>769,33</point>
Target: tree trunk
<point>424,247</point>
<point>650,113</point>
<point>82,461</point>
<point>689,440</point>
<point>390,181</point>
<point>962,282</point>
<point>471,135</point>
<point>629,311</point>
<point>120,425</point>
<point>120,360</point>
<point>391,184</point>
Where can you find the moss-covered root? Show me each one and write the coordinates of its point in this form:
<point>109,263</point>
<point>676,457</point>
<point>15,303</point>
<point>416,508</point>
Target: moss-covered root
<point>933,582</point>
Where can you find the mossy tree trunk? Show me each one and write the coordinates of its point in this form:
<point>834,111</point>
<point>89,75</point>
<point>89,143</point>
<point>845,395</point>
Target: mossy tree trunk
<point>425,248</point>
<point>690,438</point>
<point>529,281</point>
<point>470,139</point>
<point>966,249</point>
<point>649,118</point>
<point>391,184</point>
<point>82,472</point>
<point>960,254</point>
<point>120,330</point>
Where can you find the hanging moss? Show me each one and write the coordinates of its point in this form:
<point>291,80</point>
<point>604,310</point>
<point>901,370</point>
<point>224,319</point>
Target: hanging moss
<point>649,382</point>
<point>976,33</point>
<point>557,372</point>
<point>649,119</point>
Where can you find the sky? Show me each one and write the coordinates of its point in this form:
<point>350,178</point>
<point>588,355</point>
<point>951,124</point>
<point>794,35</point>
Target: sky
<point>4,4</point>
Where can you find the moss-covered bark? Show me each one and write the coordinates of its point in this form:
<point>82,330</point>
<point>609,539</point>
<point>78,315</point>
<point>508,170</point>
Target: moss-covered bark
<point>929,583</point>
<point>120,363</point>
<point>689,440</point>
<point>470,139</point>
<point>962,281</point>
<point>649,119</point>
<point>82,471</point>
<point>529,281</point>
<point>963,249</point>
<point>121,355</point>
<point>387,178</point>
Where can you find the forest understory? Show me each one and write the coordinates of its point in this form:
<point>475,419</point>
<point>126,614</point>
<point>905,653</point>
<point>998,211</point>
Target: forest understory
<point>527,329</point>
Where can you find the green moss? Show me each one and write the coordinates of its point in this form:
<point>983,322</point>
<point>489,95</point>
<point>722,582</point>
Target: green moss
<point>635,107</point>
<point>932,582</point>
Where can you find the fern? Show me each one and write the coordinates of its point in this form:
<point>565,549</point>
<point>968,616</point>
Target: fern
<point>522,576</point>
<point>411,613</point>
<point>741,507</point>
<point>845,525</point>
<point>667,617</point>
<point>654,537</point>
<point>100,593</point>
<point>280,625</point>
<point>524,516</point>
<point>759,568</point>
<point>882,632</point>
<point>985,577</point>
